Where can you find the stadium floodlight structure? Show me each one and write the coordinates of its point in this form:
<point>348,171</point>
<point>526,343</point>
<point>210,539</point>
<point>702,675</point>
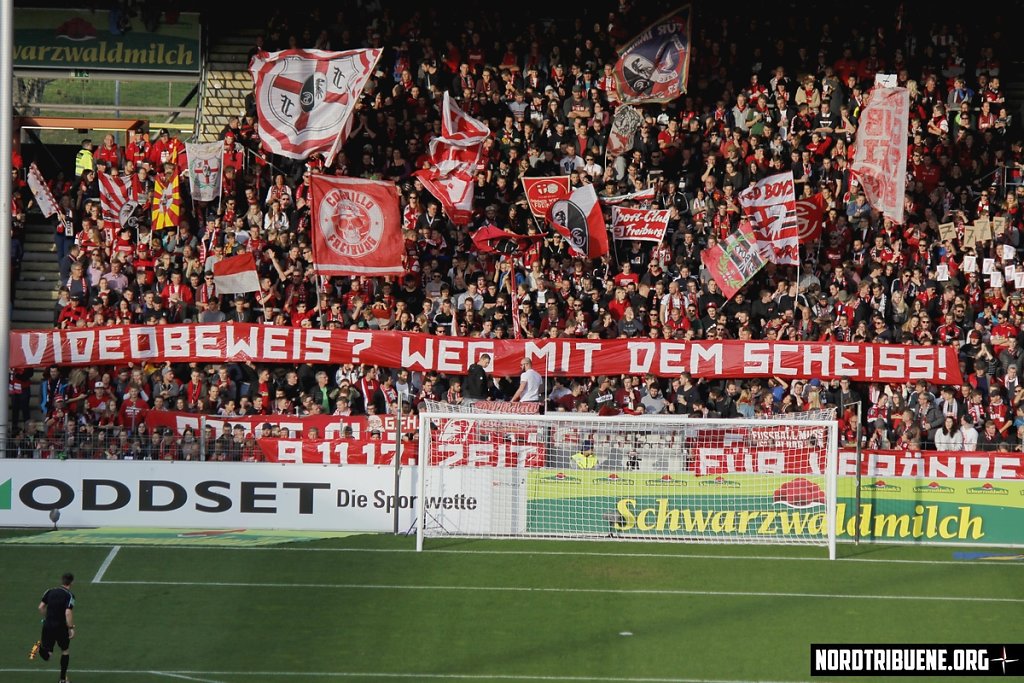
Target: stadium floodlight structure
<point>641,478</point>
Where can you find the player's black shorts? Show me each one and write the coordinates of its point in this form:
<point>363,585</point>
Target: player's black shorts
<point>55,634</point>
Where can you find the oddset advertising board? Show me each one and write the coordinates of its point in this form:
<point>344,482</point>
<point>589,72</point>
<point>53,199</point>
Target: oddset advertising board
<point>728,507</point>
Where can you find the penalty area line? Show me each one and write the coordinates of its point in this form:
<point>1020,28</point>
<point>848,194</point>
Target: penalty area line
<point>553,589</point>
<point>106,564</point>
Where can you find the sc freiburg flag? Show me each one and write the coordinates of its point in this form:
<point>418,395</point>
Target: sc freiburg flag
<point>580,221</point>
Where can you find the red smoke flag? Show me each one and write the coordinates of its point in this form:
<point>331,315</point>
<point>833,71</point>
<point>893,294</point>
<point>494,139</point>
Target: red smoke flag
<point>880,151</point>
<point>453,160</point>
<point>166,203</point>
<point>771,207</point>
<point>578,218</point>
<point>645,225</point>
<point>735,261</point>
<point>113,196</point>
<point>236,274</point>
<point>654,65</point>
<point>305,98</point>
<point>541,193</point>
<point>810,215</point>
<point>357,227</point>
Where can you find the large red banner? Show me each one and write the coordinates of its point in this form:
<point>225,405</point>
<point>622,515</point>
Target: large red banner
<point>357,227</point>
<point>120,345</point>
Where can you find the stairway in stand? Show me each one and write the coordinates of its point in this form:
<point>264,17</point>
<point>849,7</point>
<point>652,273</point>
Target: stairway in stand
<point>35,292</point>
<point>227,81</point>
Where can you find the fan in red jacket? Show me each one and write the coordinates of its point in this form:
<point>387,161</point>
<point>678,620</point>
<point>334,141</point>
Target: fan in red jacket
<point>133,411</point>
<point>108,153</point>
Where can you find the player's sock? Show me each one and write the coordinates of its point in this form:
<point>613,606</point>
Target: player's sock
<point>64,659</point>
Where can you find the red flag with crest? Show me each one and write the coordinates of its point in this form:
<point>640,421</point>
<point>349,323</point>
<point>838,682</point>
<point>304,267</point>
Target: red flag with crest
<point>735,260</point>
<point>305,98</point>
<point>579,219</point>
<point>453,160</point>
<point>357,227</point>
<point>771,207</point>
<point>810,215</point>
<point>541,193</point>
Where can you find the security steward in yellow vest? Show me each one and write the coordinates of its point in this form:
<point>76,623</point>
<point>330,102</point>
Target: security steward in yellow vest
<point>84,160</point>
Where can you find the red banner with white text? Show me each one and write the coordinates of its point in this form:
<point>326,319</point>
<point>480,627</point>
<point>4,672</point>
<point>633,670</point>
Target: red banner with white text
<point>335,451</point>
<point>644,225</point>
<point>737,359</point>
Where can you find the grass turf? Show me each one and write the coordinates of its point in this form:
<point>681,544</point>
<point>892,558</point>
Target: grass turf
<point>489,610</point>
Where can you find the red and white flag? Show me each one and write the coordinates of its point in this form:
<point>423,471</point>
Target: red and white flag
<point>41,191</point>
<point>236,274</point>
<point>578,218</point>
<point>771,207</point>
<point>453,160</point>
<point>638,196</point>
<point>735,260</point>
<point>305,98</point>
<point>653,66</point>
<point>541,193</point>
<point>205,166</point>
<point>645,225</point>
<point>810,215</point>
<point>113,196</point>
<point>880,151</point>
<point>357,227</point>
<point>625,123</point>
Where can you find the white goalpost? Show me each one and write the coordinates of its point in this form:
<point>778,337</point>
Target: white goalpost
<point>646,478</point>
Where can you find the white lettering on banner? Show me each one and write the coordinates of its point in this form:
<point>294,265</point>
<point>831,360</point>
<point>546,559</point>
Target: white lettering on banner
<point>485,455</point>
<point>176,341</point>
<point>755,357</point>
<point>33,345</point>
<point>890,365</point>
<point>110,345</point>
<point>362,341</point>
<point>318,346</point>
<point>265,343</point>
<point>274,344</point>
<point>238,346</point>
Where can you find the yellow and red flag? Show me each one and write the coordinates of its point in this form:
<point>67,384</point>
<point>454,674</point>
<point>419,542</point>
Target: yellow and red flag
<point>166,203</point>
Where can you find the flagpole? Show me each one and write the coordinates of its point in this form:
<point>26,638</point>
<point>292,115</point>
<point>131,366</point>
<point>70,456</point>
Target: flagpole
<point>6,220</point>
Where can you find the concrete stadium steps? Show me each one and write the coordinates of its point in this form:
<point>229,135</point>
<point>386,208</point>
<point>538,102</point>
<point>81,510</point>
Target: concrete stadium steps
<point>227,80</point>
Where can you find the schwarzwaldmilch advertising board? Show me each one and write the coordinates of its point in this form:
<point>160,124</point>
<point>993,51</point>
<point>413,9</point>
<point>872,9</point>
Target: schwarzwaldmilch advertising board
<point>87,40</point>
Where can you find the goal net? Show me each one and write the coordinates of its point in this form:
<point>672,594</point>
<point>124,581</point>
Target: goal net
<point>572,476</point>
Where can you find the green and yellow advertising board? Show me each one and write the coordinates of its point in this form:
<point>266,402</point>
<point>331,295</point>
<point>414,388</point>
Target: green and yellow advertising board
<point>730,507</point>
<point>85,41</point>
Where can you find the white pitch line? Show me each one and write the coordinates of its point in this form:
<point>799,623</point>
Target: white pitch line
<point>434,676</point>
<point>570,553</point>
<point>106,564</point>
<point>541,589</point>
<point>183,677</point>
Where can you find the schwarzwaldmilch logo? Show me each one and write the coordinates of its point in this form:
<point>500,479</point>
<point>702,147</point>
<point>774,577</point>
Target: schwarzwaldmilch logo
<point>616,480</point>
<point>666,480</point>
<point>5,495</point>
<point>988,489</point>
<point>933,487</point>
<point>881,486</point>
<point>721,481</point>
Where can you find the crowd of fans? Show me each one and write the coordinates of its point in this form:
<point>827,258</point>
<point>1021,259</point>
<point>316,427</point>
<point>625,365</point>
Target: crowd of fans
<point>765,95</point>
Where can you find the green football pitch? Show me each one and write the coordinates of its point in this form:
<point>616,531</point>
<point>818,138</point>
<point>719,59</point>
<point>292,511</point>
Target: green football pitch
<point>369,608</point>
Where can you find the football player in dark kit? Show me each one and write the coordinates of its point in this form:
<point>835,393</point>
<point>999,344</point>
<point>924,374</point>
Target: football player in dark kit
<point>57,608</point>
